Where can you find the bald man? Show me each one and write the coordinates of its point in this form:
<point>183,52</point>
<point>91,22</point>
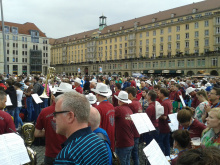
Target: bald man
<point>94,121</point>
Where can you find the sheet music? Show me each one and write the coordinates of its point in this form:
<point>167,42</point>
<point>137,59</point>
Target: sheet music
<point>53,89</point>
<point>36,98</point>
<point>142,122</point>
<point>8,102</point>
<point>13,150</point>
<point>183,102</point>
<point>174,124</point>
<point>154,154</point>
<point>196,141</point>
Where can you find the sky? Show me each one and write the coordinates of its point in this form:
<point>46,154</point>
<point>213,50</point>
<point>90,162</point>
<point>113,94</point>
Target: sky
<point>60,18</point>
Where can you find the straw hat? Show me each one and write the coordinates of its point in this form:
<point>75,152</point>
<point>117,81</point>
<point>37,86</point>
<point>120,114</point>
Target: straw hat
<point>123,97</point>
<point>102,89</point>
<point>91,98</point>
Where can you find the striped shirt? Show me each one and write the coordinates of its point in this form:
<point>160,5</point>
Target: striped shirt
<point>85,148</point>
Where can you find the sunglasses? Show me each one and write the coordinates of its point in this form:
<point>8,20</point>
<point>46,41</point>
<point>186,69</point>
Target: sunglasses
<point>55,113</point>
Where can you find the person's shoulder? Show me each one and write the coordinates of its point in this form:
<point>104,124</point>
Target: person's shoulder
<point>5,115</point>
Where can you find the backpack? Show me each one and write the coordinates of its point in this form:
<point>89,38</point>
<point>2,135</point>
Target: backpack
<point>41,90</point>
<point>115,159</point>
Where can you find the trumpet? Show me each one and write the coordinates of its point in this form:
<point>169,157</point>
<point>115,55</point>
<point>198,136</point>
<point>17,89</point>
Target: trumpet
<point>51,71</point>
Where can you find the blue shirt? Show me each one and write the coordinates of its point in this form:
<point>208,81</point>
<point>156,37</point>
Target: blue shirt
<point>83,147</point>
<point>100,130</point>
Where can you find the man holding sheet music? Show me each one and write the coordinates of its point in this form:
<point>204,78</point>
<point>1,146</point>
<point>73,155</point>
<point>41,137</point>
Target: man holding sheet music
<point>151,112</point>
<point>164,138</point>
<point>6,123</point>
<point>136,107</point>
<point>124,128</point>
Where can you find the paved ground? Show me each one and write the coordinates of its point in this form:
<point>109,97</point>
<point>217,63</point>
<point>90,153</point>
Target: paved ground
<point>41,150</point>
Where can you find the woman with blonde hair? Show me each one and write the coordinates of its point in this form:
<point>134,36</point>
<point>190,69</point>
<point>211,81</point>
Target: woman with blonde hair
<point>200,109</point>
<point>211,135</point>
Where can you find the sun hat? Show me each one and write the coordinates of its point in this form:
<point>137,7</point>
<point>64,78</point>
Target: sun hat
<point>64,87</point>
<point>189,90</point>
<point>93,80</point>
<point>123,97</point>
<point>102,89</point>
<point>77,80</point>
<point>149,82</point>
<point>91,98</point>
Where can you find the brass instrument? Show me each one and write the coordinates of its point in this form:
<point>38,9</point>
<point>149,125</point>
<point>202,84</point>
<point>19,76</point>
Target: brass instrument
<point>28,136</point>
<point>51,71</point>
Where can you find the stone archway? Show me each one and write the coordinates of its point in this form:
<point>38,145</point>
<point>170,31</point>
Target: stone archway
<point>190,73</point>
<point>214,73</point>
<point>126,74</point>
<point>109,74</point>
<point>119,73</point>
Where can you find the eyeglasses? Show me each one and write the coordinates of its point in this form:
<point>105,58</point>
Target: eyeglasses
<point>55,113</point>
<point>212,93</point>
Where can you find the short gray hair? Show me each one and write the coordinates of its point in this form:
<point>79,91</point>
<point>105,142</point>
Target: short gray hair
<point>76,102</point>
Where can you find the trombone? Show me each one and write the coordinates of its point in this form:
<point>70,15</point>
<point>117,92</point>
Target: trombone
<point>51,71</point>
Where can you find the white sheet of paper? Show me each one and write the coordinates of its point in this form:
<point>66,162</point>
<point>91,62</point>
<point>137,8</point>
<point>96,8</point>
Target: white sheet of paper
<point>36,98</point>
<point>174,124</point>
<point>154,154</point>
<point>53,90</point>
<point>183,102</point>
<point>8,102</point>
<point>13,150</point>
<point>142,122</point>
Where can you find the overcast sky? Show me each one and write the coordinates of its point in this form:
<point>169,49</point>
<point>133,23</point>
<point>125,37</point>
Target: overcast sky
<point>60,18</point>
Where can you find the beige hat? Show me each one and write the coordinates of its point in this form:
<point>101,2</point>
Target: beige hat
<point>102,89</point>
<point>78,80</point>
<point>91,98</point>
<point>123,97</point>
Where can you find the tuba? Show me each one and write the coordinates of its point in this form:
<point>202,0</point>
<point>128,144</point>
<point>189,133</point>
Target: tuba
<point>51,71</point>
<point>28,136</point>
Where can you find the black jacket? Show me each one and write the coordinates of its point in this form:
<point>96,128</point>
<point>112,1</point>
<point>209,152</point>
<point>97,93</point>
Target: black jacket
<point>13,96</point>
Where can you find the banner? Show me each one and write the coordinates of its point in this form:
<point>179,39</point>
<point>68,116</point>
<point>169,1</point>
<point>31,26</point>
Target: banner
<point>100,69</point>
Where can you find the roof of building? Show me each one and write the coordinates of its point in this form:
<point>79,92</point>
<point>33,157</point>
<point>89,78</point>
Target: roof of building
<point>24,28</point>
<point>160,16</point>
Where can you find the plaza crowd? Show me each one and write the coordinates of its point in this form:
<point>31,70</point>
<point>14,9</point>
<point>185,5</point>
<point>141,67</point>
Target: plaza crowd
<point>87,118</point>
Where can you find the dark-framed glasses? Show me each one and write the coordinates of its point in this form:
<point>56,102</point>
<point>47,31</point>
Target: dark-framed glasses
<point>55,113</point>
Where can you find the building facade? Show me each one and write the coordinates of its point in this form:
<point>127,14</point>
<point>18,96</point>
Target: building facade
<point>27,49</point>
<point>180,41</point>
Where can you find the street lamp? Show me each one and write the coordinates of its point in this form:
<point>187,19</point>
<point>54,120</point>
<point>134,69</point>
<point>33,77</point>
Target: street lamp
<point>4,45</point>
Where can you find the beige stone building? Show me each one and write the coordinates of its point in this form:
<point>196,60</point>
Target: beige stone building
<point>179,41</point>
<point>27,49</point>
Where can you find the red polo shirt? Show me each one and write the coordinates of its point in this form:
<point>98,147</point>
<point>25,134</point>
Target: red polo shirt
<point>53,140</point>
<point>195,129</point>
<point>151,112</point>
<point>107,113</point>
<point>124,127</point>
<point>136,107</point>
<point>6,122</point>
<point>114,100</point>
<point>163,124</point>
<point>216,105</point>
<point>133,84</point>
<point>150,88</point>
<point>79,89</point>
<point>159,100</point>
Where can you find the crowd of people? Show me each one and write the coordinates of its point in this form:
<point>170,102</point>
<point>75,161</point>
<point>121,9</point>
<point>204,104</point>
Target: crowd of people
<point>86,119</point>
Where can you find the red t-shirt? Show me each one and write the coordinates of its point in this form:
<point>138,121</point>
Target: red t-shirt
<point>124,127</point>
<point>6,122</point>
<point>79,89</point>
<point>94,105</point>
<point>163,124</point>
<point>114,100</point>
<point>177,97</point>
<point>195,129</point>
<point>136,107</point>
<point>150,88</point>
<point>215,105</point>
<point>53,140</point>
<point>195,102</point>
<point>3,85</point>
<point>133,84</point>
<point>172,95</point>
<point>151,112</point>
<point>107,113</point>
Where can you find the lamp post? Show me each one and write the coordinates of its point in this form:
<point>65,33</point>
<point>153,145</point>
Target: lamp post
<point>4,45</point>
